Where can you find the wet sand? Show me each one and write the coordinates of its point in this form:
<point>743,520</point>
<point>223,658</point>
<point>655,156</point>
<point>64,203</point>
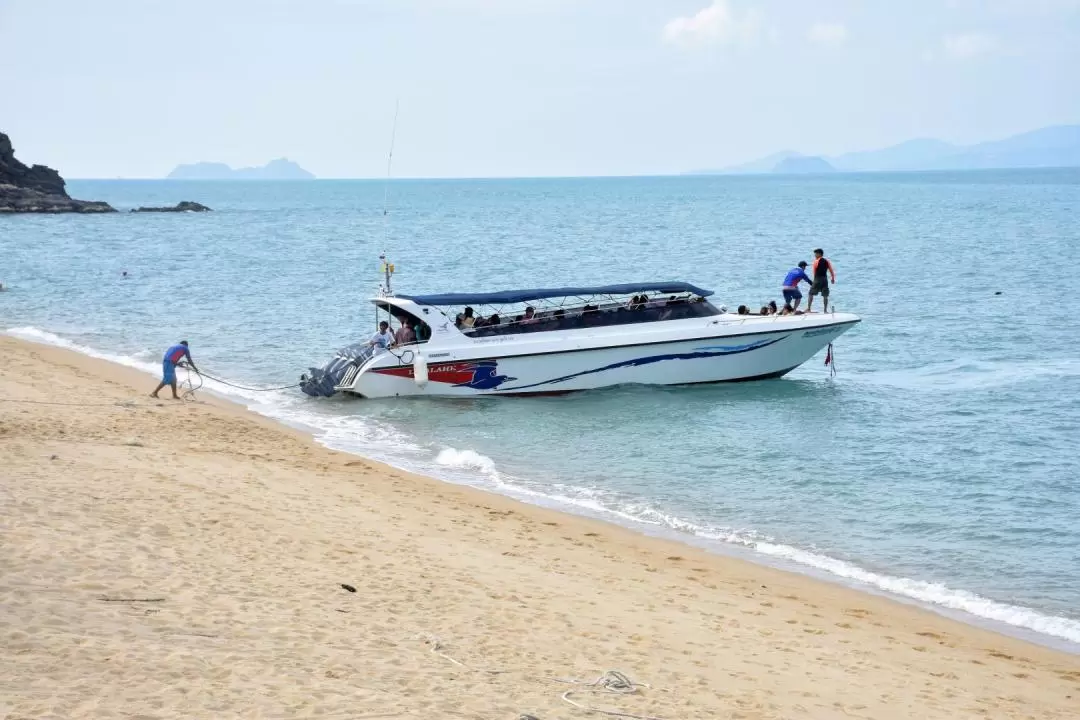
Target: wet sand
<point>166,560</point>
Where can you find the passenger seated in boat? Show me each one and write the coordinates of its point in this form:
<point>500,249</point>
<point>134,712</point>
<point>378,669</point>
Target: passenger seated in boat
<point>772,307</point>
<point>530,316</point>
<point>468,319</point>
<point>787,310</point>
<point>638,302</point>
<point>494,320</point>
<point>404,334</point>
<point>743,310</point>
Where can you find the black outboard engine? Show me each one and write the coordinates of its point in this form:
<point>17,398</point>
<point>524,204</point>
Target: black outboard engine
<point>320,382</point>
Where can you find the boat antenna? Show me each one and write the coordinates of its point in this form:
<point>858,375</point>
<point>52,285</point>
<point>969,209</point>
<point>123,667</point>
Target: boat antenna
<point>388,268</point>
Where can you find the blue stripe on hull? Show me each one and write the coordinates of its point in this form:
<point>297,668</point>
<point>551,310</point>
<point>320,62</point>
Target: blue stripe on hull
<point>705,352</point>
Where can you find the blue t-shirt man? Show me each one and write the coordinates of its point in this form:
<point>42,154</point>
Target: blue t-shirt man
<point>796,275</point>
<point>172,357</point>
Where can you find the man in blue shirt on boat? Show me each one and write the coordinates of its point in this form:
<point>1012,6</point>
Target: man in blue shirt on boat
<point>792,296</point>
<point>172,358</point>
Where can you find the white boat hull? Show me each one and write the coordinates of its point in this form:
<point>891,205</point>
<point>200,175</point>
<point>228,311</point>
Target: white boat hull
<point>729,349</point>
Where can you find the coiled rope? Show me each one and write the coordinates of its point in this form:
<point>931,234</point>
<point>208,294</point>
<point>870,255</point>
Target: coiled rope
<point>612,682</point>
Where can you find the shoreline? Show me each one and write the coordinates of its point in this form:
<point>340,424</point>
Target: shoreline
<point>960,605</point>
<point>119,495</point>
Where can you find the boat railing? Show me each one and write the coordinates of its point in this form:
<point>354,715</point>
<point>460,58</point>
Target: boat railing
<point>601,314</point>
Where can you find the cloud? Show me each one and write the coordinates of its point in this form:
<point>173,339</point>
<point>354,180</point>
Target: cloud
<point>718,23</point>
<point>824,33</point>
<point>965,46</point>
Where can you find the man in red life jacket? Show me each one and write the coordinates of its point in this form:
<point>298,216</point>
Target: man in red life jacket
<point>172,358</point>
<point>822,270</point>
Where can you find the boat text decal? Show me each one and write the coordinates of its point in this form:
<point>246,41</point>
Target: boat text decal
<point>478,374</point>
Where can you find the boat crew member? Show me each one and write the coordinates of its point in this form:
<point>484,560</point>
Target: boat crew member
<point>823,272</point>
<point>792,296</point>
<point>383,338</point>
<point>172,358</point>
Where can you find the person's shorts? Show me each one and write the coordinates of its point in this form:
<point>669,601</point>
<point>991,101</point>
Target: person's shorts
<point>821,289</point>
<point>791,295</point>
<point>168,372</point>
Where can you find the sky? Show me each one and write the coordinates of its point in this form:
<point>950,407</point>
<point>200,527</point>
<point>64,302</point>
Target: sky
<point>496,88</point>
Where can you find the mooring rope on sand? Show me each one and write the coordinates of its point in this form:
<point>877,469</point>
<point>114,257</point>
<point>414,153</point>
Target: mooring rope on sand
<point>612,682</point>
<point>117,403</point>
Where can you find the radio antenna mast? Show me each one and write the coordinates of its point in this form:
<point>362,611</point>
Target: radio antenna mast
<point>387,267</point>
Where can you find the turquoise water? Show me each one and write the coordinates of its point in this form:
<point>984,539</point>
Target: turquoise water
<point>940,465</point>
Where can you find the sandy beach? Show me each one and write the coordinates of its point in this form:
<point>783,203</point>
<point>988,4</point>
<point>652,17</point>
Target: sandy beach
<point>162,559</point>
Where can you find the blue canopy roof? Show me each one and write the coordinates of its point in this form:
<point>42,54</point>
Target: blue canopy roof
<point>520,296</point>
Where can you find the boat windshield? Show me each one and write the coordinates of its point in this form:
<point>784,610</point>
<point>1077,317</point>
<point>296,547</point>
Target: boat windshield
<point>574,313</point>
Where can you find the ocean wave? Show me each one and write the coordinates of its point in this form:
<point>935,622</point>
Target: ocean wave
<point>45,337</point>
<point>466,459</point>
<point>931,593</point>
<point>383,442</point>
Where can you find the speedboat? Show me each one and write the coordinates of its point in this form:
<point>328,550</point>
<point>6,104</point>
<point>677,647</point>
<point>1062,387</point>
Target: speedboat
<point>560,340</point>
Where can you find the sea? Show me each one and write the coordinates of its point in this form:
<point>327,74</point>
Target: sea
<point>939,466</point>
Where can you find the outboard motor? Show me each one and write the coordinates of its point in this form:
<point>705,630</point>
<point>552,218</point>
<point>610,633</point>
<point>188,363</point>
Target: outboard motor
<point>320,382</point>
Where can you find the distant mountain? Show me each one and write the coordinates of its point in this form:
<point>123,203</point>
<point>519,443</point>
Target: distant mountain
<point>1048,147</point>
<point>764,165</point>
<point>904,156</point>
<point>1056,146</point>
<point>802,164</point>
<point>280,169</point>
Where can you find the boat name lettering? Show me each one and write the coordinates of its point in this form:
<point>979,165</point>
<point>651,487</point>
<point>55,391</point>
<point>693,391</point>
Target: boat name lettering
<point>438,355</point>
<point>822,331</point>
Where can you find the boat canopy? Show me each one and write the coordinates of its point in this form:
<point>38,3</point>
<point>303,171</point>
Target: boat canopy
<point>520,296</point>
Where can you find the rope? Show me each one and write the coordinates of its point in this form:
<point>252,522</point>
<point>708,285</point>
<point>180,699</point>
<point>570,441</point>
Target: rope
<point>436,648</point>
<point>118,403</point>
<point>612,682</point>
<point>202,374</point>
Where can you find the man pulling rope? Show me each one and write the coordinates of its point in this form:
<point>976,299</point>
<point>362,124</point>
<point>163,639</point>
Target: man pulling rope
<point>172,358</point>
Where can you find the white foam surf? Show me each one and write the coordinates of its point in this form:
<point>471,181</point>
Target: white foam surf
<point>383,442</point>
<point>468,460</point>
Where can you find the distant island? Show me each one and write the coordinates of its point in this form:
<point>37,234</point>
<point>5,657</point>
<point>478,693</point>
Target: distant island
<point>280,169</point>
<point>1057,146</point>
<point>802,164</point>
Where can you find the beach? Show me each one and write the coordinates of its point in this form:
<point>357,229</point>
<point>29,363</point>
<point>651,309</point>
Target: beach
<point>164,559</point>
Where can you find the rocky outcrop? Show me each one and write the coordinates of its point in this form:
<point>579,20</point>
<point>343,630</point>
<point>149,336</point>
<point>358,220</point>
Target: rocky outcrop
<point>36,188</point>
<point>184,206</point>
